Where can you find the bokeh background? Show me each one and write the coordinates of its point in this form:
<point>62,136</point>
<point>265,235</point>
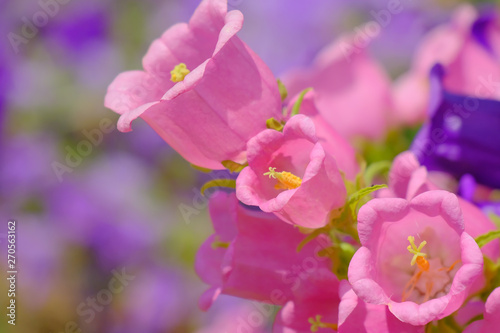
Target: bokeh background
<point>127,204</point>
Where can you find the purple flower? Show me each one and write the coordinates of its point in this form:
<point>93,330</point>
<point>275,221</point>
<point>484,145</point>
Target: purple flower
<point>461,136</point>
<point>481,196</point>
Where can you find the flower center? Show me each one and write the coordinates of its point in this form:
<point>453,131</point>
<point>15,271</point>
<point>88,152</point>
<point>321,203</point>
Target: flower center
<point>418,256</point>
<point>179,72</point>
<point>428,280</point>
<point>286,180</point>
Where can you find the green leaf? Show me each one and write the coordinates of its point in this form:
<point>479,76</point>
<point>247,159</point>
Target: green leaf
<point>283,91</point>
<point>272,123</point>
<point>298,103</point>
<point>229,183</point>
<point>233,166</point>
<point>205,170</point>
<point>357,196</point>
<point>487,237</point>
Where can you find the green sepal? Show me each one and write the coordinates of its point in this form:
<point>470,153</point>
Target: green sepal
<point>282,89</point>
<point>298,103</point>
<point>345,252</point>
<point>228,183</point>
<point>272,123</point>
<point>233,166</point>
<point>484,239</point>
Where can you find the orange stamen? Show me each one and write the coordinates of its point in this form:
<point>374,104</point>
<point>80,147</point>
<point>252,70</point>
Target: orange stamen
<point>423,264</point>
<point>448,269</point>
<point>410,285</point>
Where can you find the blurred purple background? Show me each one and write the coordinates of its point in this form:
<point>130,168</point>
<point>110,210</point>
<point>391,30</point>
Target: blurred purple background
<point>91,202</point>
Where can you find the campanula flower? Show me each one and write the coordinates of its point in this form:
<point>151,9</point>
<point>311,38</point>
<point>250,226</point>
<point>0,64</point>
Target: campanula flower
<point>314,307</point>
<point>202,89</point>
<point>415,257</point>
<point>442,44</point>
<point>358,316</point>
<point>254,255</point>
<point>467,48</point>
<point>291,175</point>
<point>461,136</point>
<point>408,179</point>
<point>340,78</point>
<point>332,142</point>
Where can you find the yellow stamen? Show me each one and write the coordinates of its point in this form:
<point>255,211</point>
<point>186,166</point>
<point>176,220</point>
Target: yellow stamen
<point>316,324</point>
<point>179,72</point>
<point>426,287</point>
<point>286,180</point>
<point>423,265</point>
<point>418,256</point>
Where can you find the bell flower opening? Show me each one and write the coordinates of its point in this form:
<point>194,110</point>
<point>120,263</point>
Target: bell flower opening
<point>310,188</point>
<point>381,271</point>
<point>191,89</point>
